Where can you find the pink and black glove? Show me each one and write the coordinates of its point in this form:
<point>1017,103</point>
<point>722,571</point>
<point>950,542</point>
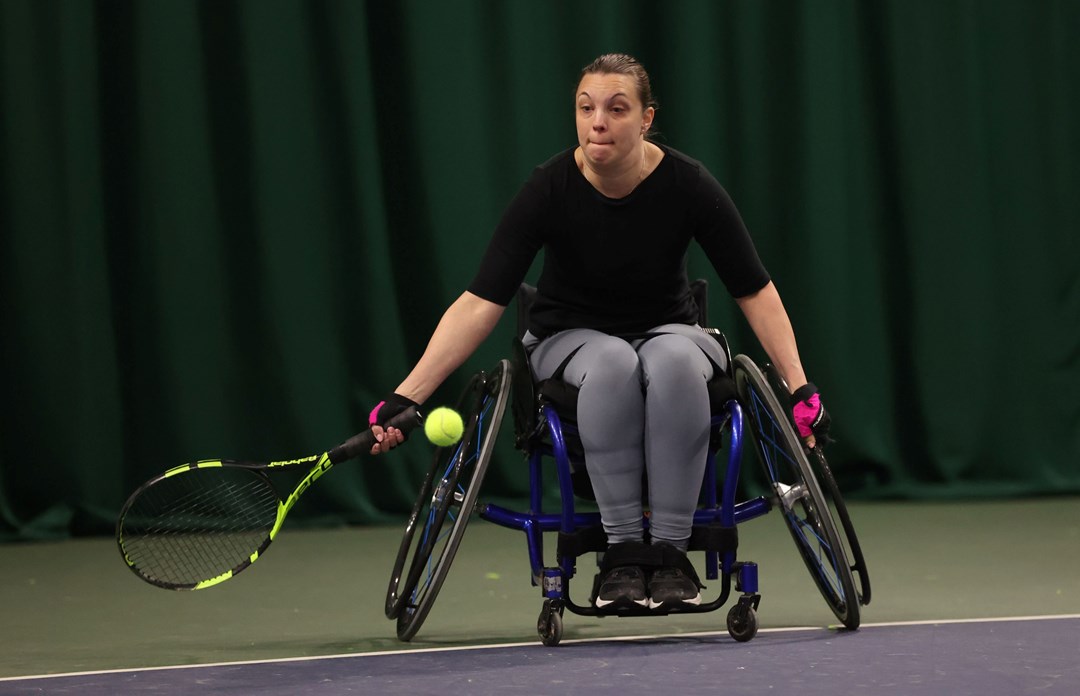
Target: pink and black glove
<point>810,415</point>
<point>389,407</point>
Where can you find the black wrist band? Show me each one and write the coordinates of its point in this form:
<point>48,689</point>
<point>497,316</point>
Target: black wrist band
<point>398,400</point>
<point>803,393</point>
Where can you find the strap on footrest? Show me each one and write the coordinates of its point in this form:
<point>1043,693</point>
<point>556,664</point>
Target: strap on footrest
<point>581,542</point>
<point>714,537</point>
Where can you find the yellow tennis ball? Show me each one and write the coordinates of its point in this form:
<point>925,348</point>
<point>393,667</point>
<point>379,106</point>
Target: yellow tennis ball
<point>443,426</point>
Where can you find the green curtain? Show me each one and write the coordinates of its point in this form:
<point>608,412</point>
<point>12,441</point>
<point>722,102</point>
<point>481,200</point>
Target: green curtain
<point>229,226</point>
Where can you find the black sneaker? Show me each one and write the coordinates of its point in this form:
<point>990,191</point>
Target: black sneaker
<point>622,587</point>
<point>669,587</point>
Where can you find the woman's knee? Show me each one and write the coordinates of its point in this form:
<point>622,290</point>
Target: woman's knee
<point>674,362</point>
<point>605,369</point>
<point>609,365</point>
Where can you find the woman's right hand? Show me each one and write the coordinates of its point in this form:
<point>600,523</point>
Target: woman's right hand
<point>464,325</point>
<point>387,439</point>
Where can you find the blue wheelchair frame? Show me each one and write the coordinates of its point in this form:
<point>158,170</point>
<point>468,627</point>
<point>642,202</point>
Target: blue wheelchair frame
<point>801,485</point>
<point>722,510</point>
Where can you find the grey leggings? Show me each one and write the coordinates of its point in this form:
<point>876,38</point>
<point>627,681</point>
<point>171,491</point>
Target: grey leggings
<point>643,405</point>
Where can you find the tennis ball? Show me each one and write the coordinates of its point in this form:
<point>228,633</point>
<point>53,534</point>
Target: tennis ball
<point>443,426</point>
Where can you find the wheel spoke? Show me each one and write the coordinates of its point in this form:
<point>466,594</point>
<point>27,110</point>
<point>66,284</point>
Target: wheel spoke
<point>825,557</point>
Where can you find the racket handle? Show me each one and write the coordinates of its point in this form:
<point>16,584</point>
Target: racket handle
<point>362,441</point>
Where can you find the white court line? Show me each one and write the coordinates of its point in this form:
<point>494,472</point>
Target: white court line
<point>534,644</point>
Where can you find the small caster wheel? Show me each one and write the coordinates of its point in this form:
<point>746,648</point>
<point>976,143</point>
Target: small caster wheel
<point>742,622</point>
<point>549,625</point>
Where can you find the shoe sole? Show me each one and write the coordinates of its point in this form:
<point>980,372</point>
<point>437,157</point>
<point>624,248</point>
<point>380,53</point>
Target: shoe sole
<point>620,602</point>
<point>670,604</point>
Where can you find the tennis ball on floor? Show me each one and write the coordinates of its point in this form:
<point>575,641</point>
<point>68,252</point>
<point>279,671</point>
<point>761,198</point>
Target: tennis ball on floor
<point>443,426</point>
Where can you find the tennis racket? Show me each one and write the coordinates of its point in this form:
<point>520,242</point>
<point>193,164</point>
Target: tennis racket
<point>199,524</point>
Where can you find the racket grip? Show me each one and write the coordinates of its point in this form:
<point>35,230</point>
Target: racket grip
<point>362,441</point>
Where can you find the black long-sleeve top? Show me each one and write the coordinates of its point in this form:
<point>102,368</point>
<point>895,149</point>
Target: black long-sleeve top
<point>616,265</point>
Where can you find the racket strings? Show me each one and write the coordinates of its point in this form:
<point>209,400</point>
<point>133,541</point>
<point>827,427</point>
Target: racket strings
<point>197,525</point>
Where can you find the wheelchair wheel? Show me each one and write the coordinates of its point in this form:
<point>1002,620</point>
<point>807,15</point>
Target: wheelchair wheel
<point>820,466</point>
<point>447,497</point>
<point>742,622</point>
<point>550,624</point>
<point>799,496</point>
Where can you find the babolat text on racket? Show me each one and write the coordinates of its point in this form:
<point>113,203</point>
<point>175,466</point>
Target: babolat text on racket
<point>199,524</point>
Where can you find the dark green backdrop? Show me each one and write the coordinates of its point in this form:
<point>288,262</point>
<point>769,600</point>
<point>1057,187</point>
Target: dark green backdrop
<point>229,227</point>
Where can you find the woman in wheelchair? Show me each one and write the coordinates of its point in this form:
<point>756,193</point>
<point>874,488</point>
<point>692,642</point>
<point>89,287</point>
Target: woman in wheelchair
<point>614,316</point>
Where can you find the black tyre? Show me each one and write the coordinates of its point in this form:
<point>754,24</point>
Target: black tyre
<point>798,495</point>
<point>742,623</point>
<point>550,624</point>
<point>446,501</point>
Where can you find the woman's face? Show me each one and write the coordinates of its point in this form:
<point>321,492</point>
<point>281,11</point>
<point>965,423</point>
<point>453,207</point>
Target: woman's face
<point>610,119</point>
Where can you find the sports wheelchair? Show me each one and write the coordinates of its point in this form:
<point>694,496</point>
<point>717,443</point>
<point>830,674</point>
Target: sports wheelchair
<point>798,483</point>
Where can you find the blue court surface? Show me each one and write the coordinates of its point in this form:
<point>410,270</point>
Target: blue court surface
<point>1036,655</point>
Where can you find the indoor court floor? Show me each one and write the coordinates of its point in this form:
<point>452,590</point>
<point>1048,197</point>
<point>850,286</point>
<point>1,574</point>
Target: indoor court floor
<point>968,597</point>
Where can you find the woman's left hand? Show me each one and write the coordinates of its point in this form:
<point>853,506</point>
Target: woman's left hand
<point>810,416</point>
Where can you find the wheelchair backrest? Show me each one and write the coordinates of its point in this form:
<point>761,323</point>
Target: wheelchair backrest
<point>526,296</point>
